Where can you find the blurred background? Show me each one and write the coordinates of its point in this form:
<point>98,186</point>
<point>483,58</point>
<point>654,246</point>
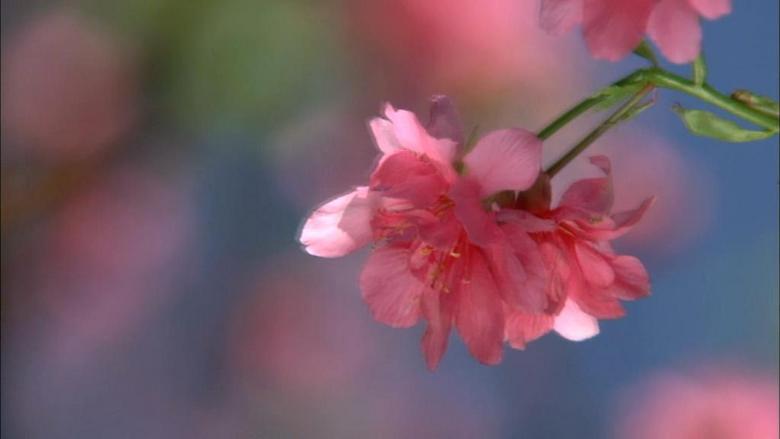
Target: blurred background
<point>158,157</point>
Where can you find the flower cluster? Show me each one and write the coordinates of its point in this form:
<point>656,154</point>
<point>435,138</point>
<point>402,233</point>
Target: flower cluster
<point>613,28</point>
<point>471,242</point>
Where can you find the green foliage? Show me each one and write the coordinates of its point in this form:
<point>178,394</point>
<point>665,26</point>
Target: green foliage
<point>232,62</point>
<point>255,65</point>
<point>706,124</point>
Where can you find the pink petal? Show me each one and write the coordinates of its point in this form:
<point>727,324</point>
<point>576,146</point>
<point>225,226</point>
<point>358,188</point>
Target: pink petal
<point>574,324</point>
<point>510,277</point>
<point>519,271</point>
<point>505,160</point>
<point>525,248</point>
<point>557,275</point>
<point>444,120</point>
<point>479,317</point>
<point>413,136</point>
<point>601,162</point>
<point>613,28</point>
<point>384,135</point>
<point>631,217</point>
<point>442,232</point>
<point>595,268</point>
<point>438,310</point>
<point>711,9</point>
<point>528,222</point>
<point>479,223</point>
<point>619,224</point>
<point>601,306</point>
<point>559,16</point>
<point>407,176</point>
<point>631,278</point>
<point>591,194</point>
<point>674,26</point>
<point>522,328</point>
<point>568,214</point>
<point>595,301</point>
<point>339,226</point>
<point>390,289</point>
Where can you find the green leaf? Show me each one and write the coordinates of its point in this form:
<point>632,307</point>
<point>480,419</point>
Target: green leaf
<point>644,50</point>
<point>614,94</point>
<point>706,124</point>
<point>758,102</point>
<point>699,70</point>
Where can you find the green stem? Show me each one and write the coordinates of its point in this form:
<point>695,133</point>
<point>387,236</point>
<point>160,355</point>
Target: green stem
<point>651,78</point>
<point>585,105</point>
<point>638,77</point>
<point>663,79</point>
<point>611,121</point>
<point>706,93</point>
<point>568,116</point>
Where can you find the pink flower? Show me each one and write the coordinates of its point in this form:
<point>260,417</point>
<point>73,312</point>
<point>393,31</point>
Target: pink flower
<point>706,402</point>
<point>472,49</point>
<point>289,327</point>
<point>585,275</point>
<point>613,28</point>
<point>114,245</point>
<point>83,109</point>
<point>439,253</point>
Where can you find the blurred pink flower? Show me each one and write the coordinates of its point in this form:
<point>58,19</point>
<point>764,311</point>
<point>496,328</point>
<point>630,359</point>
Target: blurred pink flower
<point>110,257</point>
<point>291,335</point>
<point>585,274</point>
<point>68,89</point>
<point>415,411</point>
<point>723,404</point>
<point>480,51</point>
<point>440,255</point>
<point>613,28</point>
<point>685,194</point>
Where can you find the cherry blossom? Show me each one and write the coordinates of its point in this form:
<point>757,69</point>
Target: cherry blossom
<point>439,253</point>
<point>586,275</point>
<point>613,28</point>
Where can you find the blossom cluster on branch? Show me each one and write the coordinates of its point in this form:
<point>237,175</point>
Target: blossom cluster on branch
<point>470,241</point>
<point>466,237</point>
